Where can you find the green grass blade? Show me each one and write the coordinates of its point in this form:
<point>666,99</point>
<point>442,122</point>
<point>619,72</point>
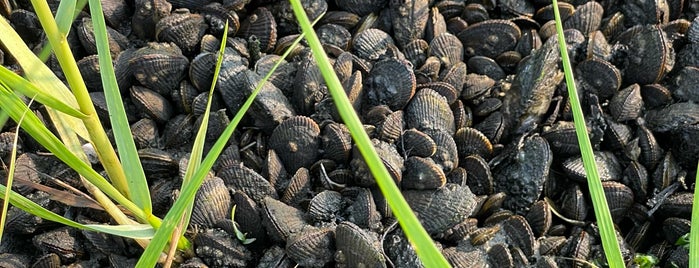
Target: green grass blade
<point>599,201</point>
<point>25,87</point>
<point>190,189</point>
<point>38,131</point>
<point>10,175</point>
<point>64,18</point>
<point>136,231</point>
<point>421,241</point>
<point>135,177</point>
<point>39,74</point>
<point>694,229</point>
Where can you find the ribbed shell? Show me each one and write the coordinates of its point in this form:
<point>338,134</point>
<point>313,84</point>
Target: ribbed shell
<point>470,141</point>
<point>211,204</point>
<point>324,206</point>
<point>607,165</point>
<point>428,110</point>
<point>619,197</point>
<point>296,141</point>
<point>446,153</point>
<point>201,70</point>
<point>151,104</point>
<point>299,189</point>
<point>370,44</point>
<point>159,66</point>
<point>520,233</point>
<point>416,143</point>
<point>599,76</point>
<point>447,48</point>
<point>242,178</point>
<point>281,220</point>
<point>626,104</point>
<point>441,209</point>
<point>337,142</point>
<point>314,247</point>
<point>391,82</point>
<point>480,179</point>
<point>539,218</point>
<point>358,248</point>
<point>587,18</point>
<point>422,173</point>
<point>263,26</point>
<point>489,38</point>
<point>182,28</point>
<point>409,20</point>
<point>445,89</point>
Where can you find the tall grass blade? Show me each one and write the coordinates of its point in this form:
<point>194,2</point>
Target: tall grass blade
<point>135,177</point>
<point>21,85</point>
<point>189,190</point>
<point>10,174</point>
<point>66,14</point>
<point>421,241</point>
<point>39,74</point>
<point>694,229</point>
<point>38,131</point>
<point>610,243</point>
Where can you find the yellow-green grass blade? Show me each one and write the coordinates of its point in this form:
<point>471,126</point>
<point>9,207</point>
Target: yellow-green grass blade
<point>135,177</point>
<point>190,189</point>
<point>10,176</point>
<point>420,240</point>
<point>36,72</point>
<point>97,135</point>
<point>610,243</point>
<point>39,132</point>
<point>21,85</point>
<point>66,14</point>
<point>3,118</point>
<point>136,231</point>
<point>694,229</point>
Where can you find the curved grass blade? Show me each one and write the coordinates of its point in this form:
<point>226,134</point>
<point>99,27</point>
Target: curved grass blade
<point>189,190</point>
<point>38,131</point>
<point>135,177</point>
<point>694,229</point>
<point>421,241</point>
<point>599,201</point>
<point>66,14</point>
<point>136,231</point>
<point>40,75</point>
<point>21,85</point>
<point>11,174</point>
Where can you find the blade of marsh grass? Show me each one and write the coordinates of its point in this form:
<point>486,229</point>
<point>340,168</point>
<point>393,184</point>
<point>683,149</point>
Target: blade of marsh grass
<point>599,201</point>
<point>39,74</point>
<point>21,85</point>
<point>3,118</point>
<point>198,146</point>
<point>38,131</point>
<point>420,240</point>
<point>11,174</point>
<point>66,14</point>
<point>190,189</point>
<point>135,177</point>
<point>98,137</point>
<point>694,229</point>
<point>136,231</point>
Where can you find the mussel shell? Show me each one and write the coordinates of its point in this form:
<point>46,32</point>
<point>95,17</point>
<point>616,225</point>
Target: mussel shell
<point>619,197</point>
<point>422,173</point>
<point>159,66</point>
<point>242,178</point>
<point>211,204</point>
<point>598,76</point>
<point>445,89</point>
<point>337,142</point>
<point>262,25</point>
<point>470,141</point>
<point>299,189</point>
<point>220,249</point>
<point>587,18</point>
<point>391,82</point>
<point>117,41</point>
<point>573,204</point>
<point>523,174</point>
<point>370,44</point>
<point>428,110</point>
<point>182,28</point>
<point>626,104</point>
<point>151,104</point>
<point>441,209</point>
<point>314,247</point>
<point>281,220</point>
<point>416,143</point>
<point>158,163</point>
<point>539,218</point>
<point>485,66</point>
<point>90,71</point>
<point>325,205</point>
<point>489,38</point>
<point>480,179</point>
<point>650,56</point>
<point>520,233</point>
<point>296,140</point>
<point>357,248</point>
<point>447,48</point>
<point>607,165</point>
<point>201,70</point>
<point>389,157</point>
<point>409,20</point>
<point>62,241</point>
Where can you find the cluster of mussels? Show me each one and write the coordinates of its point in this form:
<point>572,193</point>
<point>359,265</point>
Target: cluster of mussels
<point>465,103</point>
